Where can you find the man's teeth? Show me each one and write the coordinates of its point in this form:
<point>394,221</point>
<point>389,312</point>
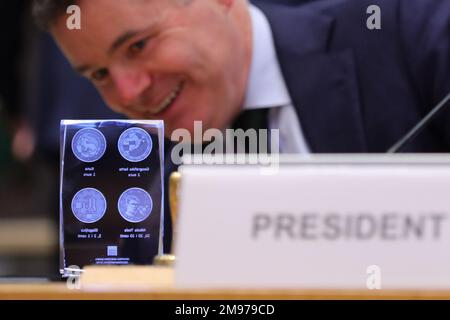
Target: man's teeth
<point>170,98</point>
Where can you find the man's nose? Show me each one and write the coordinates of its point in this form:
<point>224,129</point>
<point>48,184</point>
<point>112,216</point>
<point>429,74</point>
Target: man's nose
<point>130,84</point>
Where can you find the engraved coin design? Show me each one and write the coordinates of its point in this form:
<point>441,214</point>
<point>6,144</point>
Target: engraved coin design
<point>89,205</point>
<point>135,205</point>
<point>89,145</point>
<point>135,144</point>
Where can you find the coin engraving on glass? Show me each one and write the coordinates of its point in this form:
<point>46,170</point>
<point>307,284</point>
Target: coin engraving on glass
<point>135,205</point>
<point>89,205</point>
<point>89,145</point>
<point>135,144</point>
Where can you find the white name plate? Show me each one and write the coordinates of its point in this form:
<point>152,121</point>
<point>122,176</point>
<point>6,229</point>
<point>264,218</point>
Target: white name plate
<point>315,226</point>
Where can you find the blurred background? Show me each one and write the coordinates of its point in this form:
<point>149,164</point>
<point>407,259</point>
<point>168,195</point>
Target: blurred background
<point>37,89</point>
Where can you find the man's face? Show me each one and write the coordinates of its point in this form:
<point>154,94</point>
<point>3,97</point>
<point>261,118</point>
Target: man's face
<point>164,59</point>
<point>132,206</point>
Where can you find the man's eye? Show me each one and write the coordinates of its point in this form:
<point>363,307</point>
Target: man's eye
<point>99,75</point>
<point>137,47</point>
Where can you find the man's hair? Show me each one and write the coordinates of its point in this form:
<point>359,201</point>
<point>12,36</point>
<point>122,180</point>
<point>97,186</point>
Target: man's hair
<point>47,12</point>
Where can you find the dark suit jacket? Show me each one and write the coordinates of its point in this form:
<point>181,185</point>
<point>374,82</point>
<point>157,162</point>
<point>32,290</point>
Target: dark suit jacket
<point>359,90</point>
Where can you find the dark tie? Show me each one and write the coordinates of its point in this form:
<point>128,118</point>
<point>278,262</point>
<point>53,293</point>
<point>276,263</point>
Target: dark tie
<point>252,119</point>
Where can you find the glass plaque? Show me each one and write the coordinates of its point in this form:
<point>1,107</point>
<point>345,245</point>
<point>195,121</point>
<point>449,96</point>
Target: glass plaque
<point>111,192</point>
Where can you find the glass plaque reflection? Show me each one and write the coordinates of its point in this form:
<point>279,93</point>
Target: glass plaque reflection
<point>111,192</point>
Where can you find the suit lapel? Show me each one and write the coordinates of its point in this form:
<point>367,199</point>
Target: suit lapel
<point>322,84</point>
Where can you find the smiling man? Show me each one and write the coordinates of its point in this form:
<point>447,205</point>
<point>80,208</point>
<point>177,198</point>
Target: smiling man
<point>329,83</point>
<point>315,71</point>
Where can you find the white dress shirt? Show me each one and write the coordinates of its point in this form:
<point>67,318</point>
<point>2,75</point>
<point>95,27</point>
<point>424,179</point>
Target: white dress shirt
<point>267,88</point>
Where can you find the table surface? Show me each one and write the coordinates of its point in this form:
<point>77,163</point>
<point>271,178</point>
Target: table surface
<point>58,291</point>
<point>157,284</point>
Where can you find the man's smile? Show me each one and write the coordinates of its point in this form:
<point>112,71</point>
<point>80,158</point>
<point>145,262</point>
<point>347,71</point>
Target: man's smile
<point>168,100</point>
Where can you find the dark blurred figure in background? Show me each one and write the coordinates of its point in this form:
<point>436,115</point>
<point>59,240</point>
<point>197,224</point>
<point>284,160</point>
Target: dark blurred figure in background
<point>17,181</point>
<point>11,29</point>
<point>12,13</point>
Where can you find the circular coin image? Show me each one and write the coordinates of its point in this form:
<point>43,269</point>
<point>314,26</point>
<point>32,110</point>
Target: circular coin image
<point>88,205</point>
<point>89,145</point>
<point>135,144</point>
<point>135,205</point>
